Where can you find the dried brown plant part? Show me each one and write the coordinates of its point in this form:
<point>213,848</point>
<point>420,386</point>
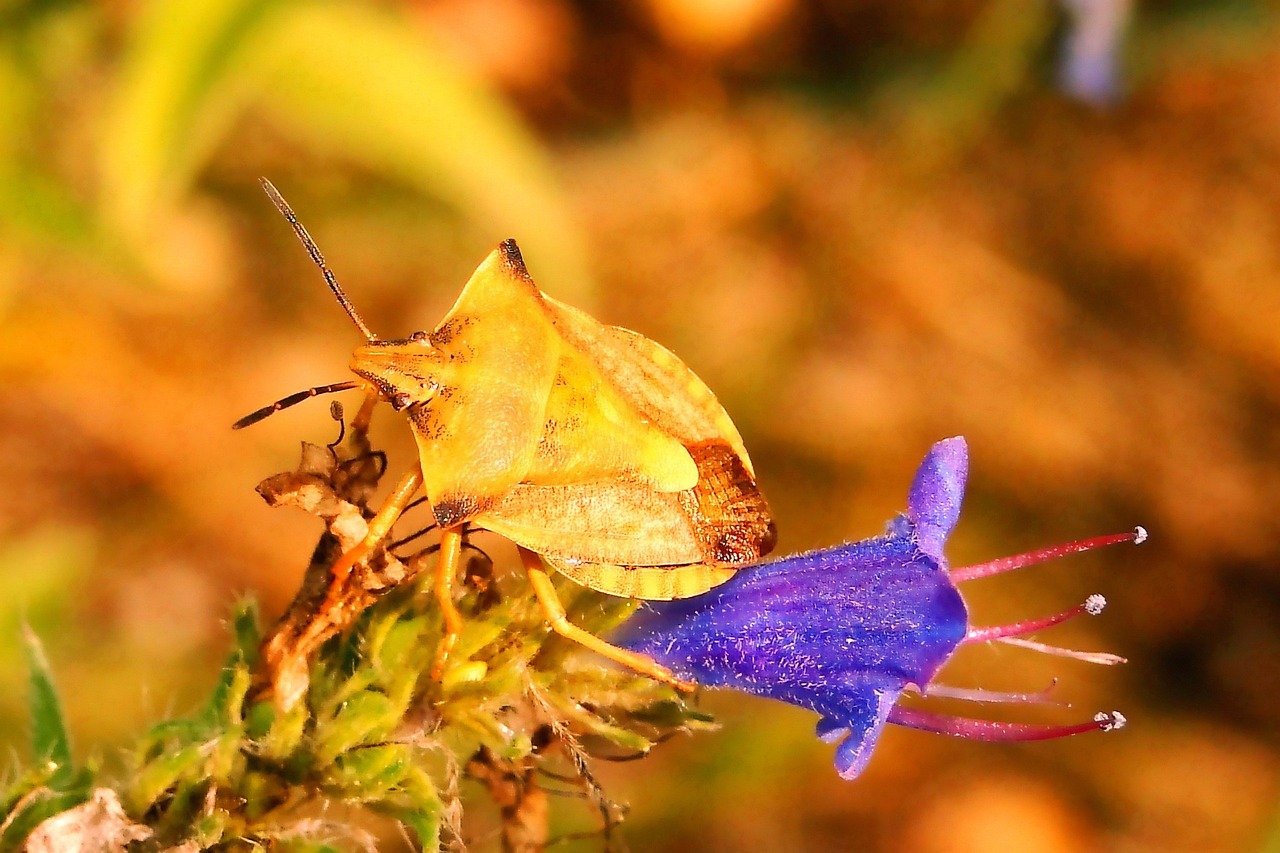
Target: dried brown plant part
<point>451,815</point>
<point>334,483</point>
<point>99,825</point>
<point>563,739</point>
<point>523,804</point>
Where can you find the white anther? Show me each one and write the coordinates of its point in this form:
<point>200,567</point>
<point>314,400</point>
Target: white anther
<point>1111,722</point>
<point>1094,604</point>
<point>1139,535</point>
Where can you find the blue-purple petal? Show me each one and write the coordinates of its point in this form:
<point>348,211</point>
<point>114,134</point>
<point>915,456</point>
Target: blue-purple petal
<point>854,752</point>
<point>841,631</point>
<point>933,504</point>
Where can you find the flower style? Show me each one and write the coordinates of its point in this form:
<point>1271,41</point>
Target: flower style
<point>845,630</point>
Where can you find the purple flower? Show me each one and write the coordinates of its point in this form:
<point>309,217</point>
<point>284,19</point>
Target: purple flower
<point>844,631</point>
<point>1090,63</point>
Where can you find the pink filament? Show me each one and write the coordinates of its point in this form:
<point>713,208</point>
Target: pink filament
<point>1030,558</point>
<point>1103,658</point>
<point>1093,606</point>
<point>991,730</point>
<point>970,694</point>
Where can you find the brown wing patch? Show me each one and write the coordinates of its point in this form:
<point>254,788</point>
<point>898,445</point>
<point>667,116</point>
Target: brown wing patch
<point>728,511</point>
<point>454,509</point>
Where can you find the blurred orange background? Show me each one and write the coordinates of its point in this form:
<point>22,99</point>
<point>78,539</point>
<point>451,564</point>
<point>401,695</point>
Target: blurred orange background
<point>868,225</point>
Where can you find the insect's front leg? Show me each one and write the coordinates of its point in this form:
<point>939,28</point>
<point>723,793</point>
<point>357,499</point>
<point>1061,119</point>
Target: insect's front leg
<point>555,615</point>
<point>285,656</point>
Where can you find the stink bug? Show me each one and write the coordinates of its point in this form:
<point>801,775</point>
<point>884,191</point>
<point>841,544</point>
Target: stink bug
<point>594,449</point>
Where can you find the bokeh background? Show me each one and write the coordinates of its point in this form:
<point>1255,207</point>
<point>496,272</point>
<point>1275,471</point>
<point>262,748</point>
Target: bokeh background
<point>868,224</point>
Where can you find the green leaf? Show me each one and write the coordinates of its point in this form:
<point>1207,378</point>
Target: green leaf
<point>425,826</point>
<point>417,805</point>
<point>50,742</point>
<point>365,717</point>
<point>366,774</point>
<point>248,635</point>
<point>163,773</point>
<point>226,705</point>
<point>180,89</point>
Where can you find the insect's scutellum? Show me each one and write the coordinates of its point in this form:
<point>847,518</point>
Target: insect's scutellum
<point>314,251</point>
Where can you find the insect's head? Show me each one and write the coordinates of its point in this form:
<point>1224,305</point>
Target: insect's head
<point>396,368</point>
<point>403,371</point>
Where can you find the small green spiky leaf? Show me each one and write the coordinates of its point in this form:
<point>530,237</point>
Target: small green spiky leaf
<point>225,706</point>
<point>425,825</point>
<point>161,774</point>
<point>50,742</point>
<point>248,635</point>
<point>367,774</point>
<point>366,716</point>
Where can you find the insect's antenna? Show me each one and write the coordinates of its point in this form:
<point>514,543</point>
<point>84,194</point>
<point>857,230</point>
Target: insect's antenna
<point>293,400</point>
<point>314,251</point>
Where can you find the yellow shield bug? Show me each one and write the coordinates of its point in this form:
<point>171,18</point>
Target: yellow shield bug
<point>594,449</point>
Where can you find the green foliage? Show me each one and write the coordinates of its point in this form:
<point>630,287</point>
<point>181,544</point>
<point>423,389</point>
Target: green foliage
<point>375,730</point>
<point>366,86</point>
<point>52,784</point>
<point>50,743</point>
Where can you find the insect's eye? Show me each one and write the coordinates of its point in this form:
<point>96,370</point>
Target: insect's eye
<point>418,336</point>
<point>401,401</point>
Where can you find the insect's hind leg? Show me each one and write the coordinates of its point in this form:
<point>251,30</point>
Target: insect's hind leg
<point>554,612</point>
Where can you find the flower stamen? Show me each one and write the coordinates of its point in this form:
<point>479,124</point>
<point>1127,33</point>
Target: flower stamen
<point>1008,564</point>
<point>992,730</point>
<point>1093,605</point>
<point>995,697</point>
<point>1102,658</point>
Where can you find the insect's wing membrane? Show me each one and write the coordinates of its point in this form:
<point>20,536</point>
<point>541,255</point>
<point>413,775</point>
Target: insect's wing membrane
<point>600,521</point>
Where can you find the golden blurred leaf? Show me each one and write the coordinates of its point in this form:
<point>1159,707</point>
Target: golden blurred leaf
<point>362,84</point>
<point>180,86</point>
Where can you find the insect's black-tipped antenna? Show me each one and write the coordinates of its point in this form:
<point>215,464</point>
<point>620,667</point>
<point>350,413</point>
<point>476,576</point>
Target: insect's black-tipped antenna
<point>293,400</point>
<point>314,251</point>
<point>336,412</point>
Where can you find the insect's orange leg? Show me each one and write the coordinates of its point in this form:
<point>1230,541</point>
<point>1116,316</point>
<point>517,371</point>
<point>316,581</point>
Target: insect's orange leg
<point>447,562</point>
<point>380,525</point>
<point>286,654</point>
<point>360,423</point>
<point>553,610</point>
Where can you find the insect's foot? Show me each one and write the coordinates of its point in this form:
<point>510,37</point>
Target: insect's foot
<point>658,672</point>
<point>682,685</point>
<point>447,642</point>
<point>463,672</point>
